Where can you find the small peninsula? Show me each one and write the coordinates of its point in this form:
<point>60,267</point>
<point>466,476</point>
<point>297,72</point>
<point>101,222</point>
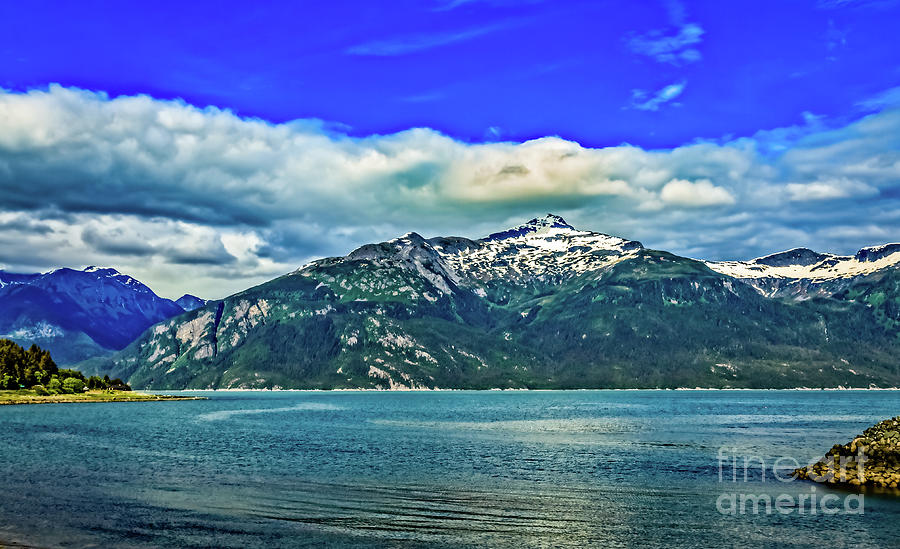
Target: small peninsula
<point>29,376</point>
<point>25,396</point>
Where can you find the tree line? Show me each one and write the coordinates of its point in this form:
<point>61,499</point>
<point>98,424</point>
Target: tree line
<point>33,368</point>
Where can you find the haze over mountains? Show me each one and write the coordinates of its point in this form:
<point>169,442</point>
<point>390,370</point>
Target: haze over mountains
<point>542,304</point>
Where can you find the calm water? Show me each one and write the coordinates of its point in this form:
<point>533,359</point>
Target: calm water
<point>457,469</point>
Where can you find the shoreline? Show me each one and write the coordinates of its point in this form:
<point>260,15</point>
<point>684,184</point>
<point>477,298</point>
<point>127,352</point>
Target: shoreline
<point>13,399</point>
<point>497,390</point>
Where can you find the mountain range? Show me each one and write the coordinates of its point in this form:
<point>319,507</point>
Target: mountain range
<point>539,305</point>
<point>77,314</point>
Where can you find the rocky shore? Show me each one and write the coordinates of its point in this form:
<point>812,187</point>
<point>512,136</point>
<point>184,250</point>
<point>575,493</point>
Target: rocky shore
<point>870,459</point>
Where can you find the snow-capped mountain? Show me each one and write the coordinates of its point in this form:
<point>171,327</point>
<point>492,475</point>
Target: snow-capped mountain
<point>803,273</point>
<point>542,304</point>
<point>544,248</point>
<point>78,313</point>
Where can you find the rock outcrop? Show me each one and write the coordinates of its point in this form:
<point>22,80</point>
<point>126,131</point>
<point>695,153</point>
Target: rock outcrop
<point>870,459</point>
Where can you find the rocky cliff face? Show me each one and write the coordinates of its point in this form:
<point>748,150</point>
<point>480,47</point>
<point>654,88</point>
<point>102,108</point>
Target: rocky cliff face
<point>539,305</point>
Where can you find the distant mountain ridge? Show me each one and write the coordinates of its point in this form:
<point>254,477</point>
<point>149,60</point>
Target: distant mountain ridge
<point>541,305</point>
<point>190,302</point>
<point>802,273</point>
<point>78,314</point>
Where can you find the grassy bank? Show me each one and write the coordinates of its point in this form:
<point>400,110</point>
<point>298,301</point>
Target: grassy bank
<point>27,396</point>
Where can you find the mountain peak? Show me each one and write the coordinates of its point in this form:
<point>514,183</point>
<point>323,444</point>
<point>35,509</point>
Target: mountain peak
<point>874,253</point>
<point>796,256</point>
<point>190,302</point>
<point>549,221</point>
<point>103,271</point>
<point>112,274</point>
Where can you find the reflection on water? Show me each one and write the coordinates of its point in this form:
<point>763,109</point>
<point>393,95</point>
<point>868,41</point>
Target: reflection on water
<point>567,426</point>
<point>456,469</point>
<point>226,414</point>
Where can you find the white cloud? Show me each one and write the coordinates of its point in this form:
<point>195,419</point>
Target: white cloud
<point>700,193</point>
<point>837,4</point>
<point>201,200</point>
<point>829,189</point>
<point>675,49</point>
<point>885,99</point>
<point>453,4</point>
<point>418,42</point>
<point>642,100</point>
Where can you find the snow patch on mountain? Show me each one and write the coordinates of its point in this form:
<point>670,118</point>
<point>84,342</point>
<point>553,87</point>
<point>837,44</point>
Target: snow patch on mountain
<point>39,330</point>
<point>14,279</point>
<point>801,263</point>
<point>125,280</point>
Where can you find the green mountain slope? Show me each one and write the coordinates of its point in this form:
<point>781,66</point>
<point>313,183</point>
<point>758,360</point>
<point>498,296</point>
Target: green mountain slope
<point>542,305</point>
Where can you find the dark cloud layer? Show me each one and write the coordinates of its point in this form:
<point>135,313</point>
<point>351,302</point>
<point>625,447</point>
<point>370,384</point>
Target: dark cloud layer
<point>201,200</point>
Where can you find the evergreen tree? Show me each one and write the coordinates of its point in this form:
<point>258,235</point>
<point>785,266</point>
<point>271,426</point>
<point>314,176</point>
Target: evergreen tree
<point>34,367</point>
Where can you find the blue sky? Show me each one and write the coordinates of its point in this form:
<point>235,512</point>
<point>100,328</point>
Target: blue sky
<point>185,142</point>
<point>476,69</point>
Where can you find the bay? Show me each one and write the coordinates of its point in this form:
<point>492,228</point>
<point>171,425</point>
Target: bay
<point>425,469</point>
